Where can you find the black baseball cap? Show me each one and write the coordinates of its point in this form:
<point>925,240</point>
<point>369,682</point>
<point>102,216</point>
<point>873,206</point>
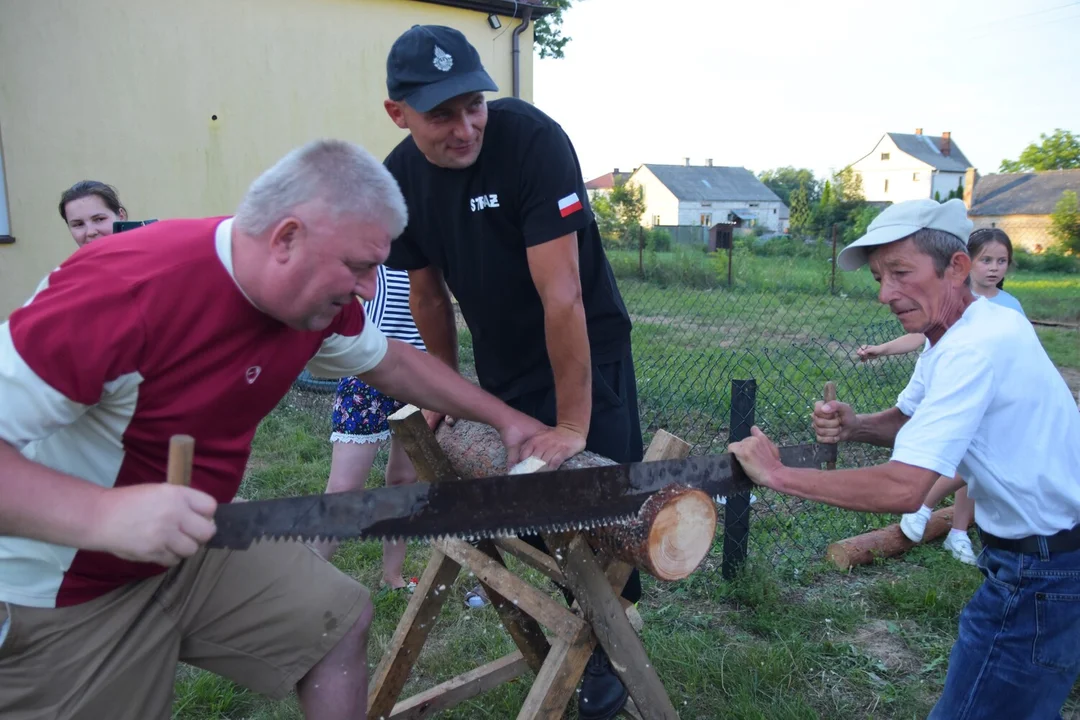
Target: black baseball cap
<point>429,64</point>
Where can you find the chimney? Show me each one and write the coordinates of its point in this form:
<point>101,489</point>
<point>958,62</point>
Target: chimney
<point>918,131</point>
<point>616,171</point>
<point>686,161</point>
<point>708,162</point>
<point>970,178</point>
<point>946,144</point>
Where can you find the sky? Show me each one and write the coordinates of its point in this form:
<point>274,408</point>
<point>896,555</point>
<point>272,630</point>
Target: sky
<point>768,83</point>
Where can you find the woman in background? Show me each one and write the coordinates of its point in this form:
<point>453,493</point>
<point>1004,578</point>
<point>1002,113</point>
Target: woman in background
<point>89,208</point>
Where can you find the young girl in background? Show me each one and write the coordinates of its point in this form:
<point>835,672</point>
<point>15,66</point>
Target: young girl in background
<point>991,256</point>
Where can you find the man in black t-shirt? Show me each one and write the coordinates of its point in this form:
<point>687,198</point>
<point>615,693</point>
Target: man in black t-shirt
<point>498,214</point>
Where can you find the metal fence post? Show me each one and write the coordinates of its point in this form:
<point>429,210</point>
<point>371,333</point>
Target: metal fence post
<point>737,509</point>
<point>832,280</point>
<point>730,250</point>
<point>641,252</point>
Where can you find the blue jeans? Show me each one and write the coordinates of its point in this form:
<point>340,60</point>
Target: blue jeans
<point>1018,652</point>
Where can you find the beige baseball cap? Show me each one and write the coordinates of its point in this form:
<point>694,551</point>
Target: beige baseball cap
<point>898,221</point>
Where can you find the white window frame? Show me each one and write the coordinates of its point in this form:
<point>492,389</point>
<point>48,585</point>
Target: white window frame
<point>5,212</point>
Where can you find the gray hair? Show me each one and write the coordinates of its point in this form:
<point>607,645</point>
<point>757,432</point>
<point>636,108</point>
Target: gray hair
<point>342,174</point>
<point>940,246</point>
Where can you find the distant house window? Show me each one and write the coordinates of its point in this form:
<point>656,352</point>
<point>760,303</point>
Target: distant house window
<point>884,156</point>
<point>774,211</point>
<point>656,220</point>
<point>754,204</point>
<point>886,186</point>
<point>915,177</point>
<point>706,204</point>
<point>706,219</point>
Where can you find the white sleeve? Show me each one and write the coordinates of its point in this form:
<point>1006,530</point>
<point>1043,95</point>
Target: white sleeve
<point>942,427</point>
<point>30,408</point>
<point>913,393</point>
<point>342,355</point>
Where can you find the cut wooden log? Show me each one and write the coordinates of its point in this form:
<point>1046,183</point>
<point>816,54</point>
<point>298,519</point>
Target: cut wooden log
<point>885,542</point>
<point>672,533</point>
<point>669,538</point>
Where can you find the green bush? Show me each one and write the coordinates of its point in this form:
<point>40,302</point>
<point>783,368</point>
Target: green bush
<point>658,240</point>
<point>1053,260</point>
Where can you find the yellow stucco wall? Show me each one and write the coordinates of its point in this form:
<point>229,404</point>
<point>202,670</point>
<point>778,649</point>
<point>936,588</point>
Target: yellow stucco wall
<point>125,92</point>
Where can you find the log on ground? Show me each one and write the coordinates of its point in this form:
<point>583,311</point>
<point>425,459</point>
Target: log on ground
<point>885,542</point>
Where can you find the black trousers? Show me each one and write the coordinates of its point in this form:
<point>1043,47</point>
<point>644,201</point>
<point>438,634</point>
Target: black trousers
<point>614,430</point>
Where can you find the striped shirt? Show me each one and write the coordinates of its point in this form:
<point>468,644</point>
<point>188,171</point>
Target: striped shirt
<point>389,309</point>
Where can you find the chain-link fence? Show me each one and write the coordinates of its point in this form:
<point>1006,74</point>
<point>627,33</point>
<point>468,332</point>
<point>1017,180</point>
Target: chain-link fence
<point>776,313</point>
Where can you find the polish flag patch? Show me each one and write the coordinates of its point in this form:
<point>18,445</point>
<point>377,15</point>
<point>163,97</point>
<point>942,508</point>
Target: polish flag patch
<point>569,205</point>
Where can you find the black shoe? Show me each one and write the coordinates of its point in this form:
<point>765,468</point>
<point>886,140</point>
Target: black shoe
<point>602,693</point>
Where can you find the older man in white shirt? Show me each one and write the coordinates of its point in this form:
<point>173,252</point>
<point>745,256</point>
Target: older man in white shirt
<point>987,402</point>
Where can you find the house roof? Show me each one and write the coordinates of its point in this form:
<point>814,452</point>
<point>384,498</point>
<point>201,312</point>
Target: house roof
<point>928,149</point>
<point>712,183</point>
<point>508,8</point>
<point>1034,193</point>
<point>607,181</point>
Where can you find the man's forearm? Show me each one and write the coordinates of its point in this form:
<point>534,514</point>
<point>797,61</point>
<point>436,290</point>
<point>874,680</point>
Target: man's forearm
<point>568,350</point>
<point>40,503</point>
<point>414,377</point>
<point>889,488</point>
<point>433,313</point>
<point>879,428</point>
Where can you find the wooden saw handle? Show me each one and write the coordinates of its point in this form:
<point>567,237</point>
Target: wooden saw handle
<point>830,396</point>
<point>181,457</point>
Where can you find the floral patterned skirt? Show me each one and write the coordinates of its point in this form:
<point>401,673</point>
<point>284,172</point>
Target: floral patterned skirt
<point>361,413</point>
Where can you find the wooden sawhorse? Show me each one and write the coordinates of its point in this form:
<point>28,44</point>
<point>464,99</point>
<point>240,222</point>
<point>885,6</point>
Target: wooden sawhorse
<point>595,581</point>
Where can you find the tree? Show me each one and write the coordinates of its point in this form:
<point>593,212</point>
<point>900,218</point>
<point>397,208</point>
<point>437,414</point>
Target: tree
<point>785,180</point>
<point>607,222</point>
<point>1065,221</point>
<point>1060,151</point>
<point>628,202</point>
<point>548,39</point>
<point>847,186</point>
<point>799,207</point>
<point>827,197</point>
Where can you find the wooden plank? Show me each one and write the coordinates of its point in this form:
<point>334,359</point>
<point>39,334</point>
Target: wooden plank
<point>603,612</point>
<point>532,557</point>
<point>554,685</point>
<point>524,630</point>
<point>412,630</point>
<point>462,688</point>
<point>630,710</point>
<point>432,465</point>
<point>665,446</point>
<point>530,600</point>
<point>409,427</point>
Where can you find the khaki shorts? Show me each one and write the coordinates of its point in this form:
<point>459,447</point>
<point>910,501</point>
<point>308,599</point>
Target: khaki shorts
<point>261,618</point>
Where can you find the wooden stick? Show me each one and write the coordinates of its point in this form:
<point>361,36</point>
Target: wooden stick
<point>602,610</point>
<point>830,396</point>
<point>181,458</point>
<point>464,687</point>
<point>537,604</point>
<point>885,542</point>
<point>412,630</point>
<point>432,465</point>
